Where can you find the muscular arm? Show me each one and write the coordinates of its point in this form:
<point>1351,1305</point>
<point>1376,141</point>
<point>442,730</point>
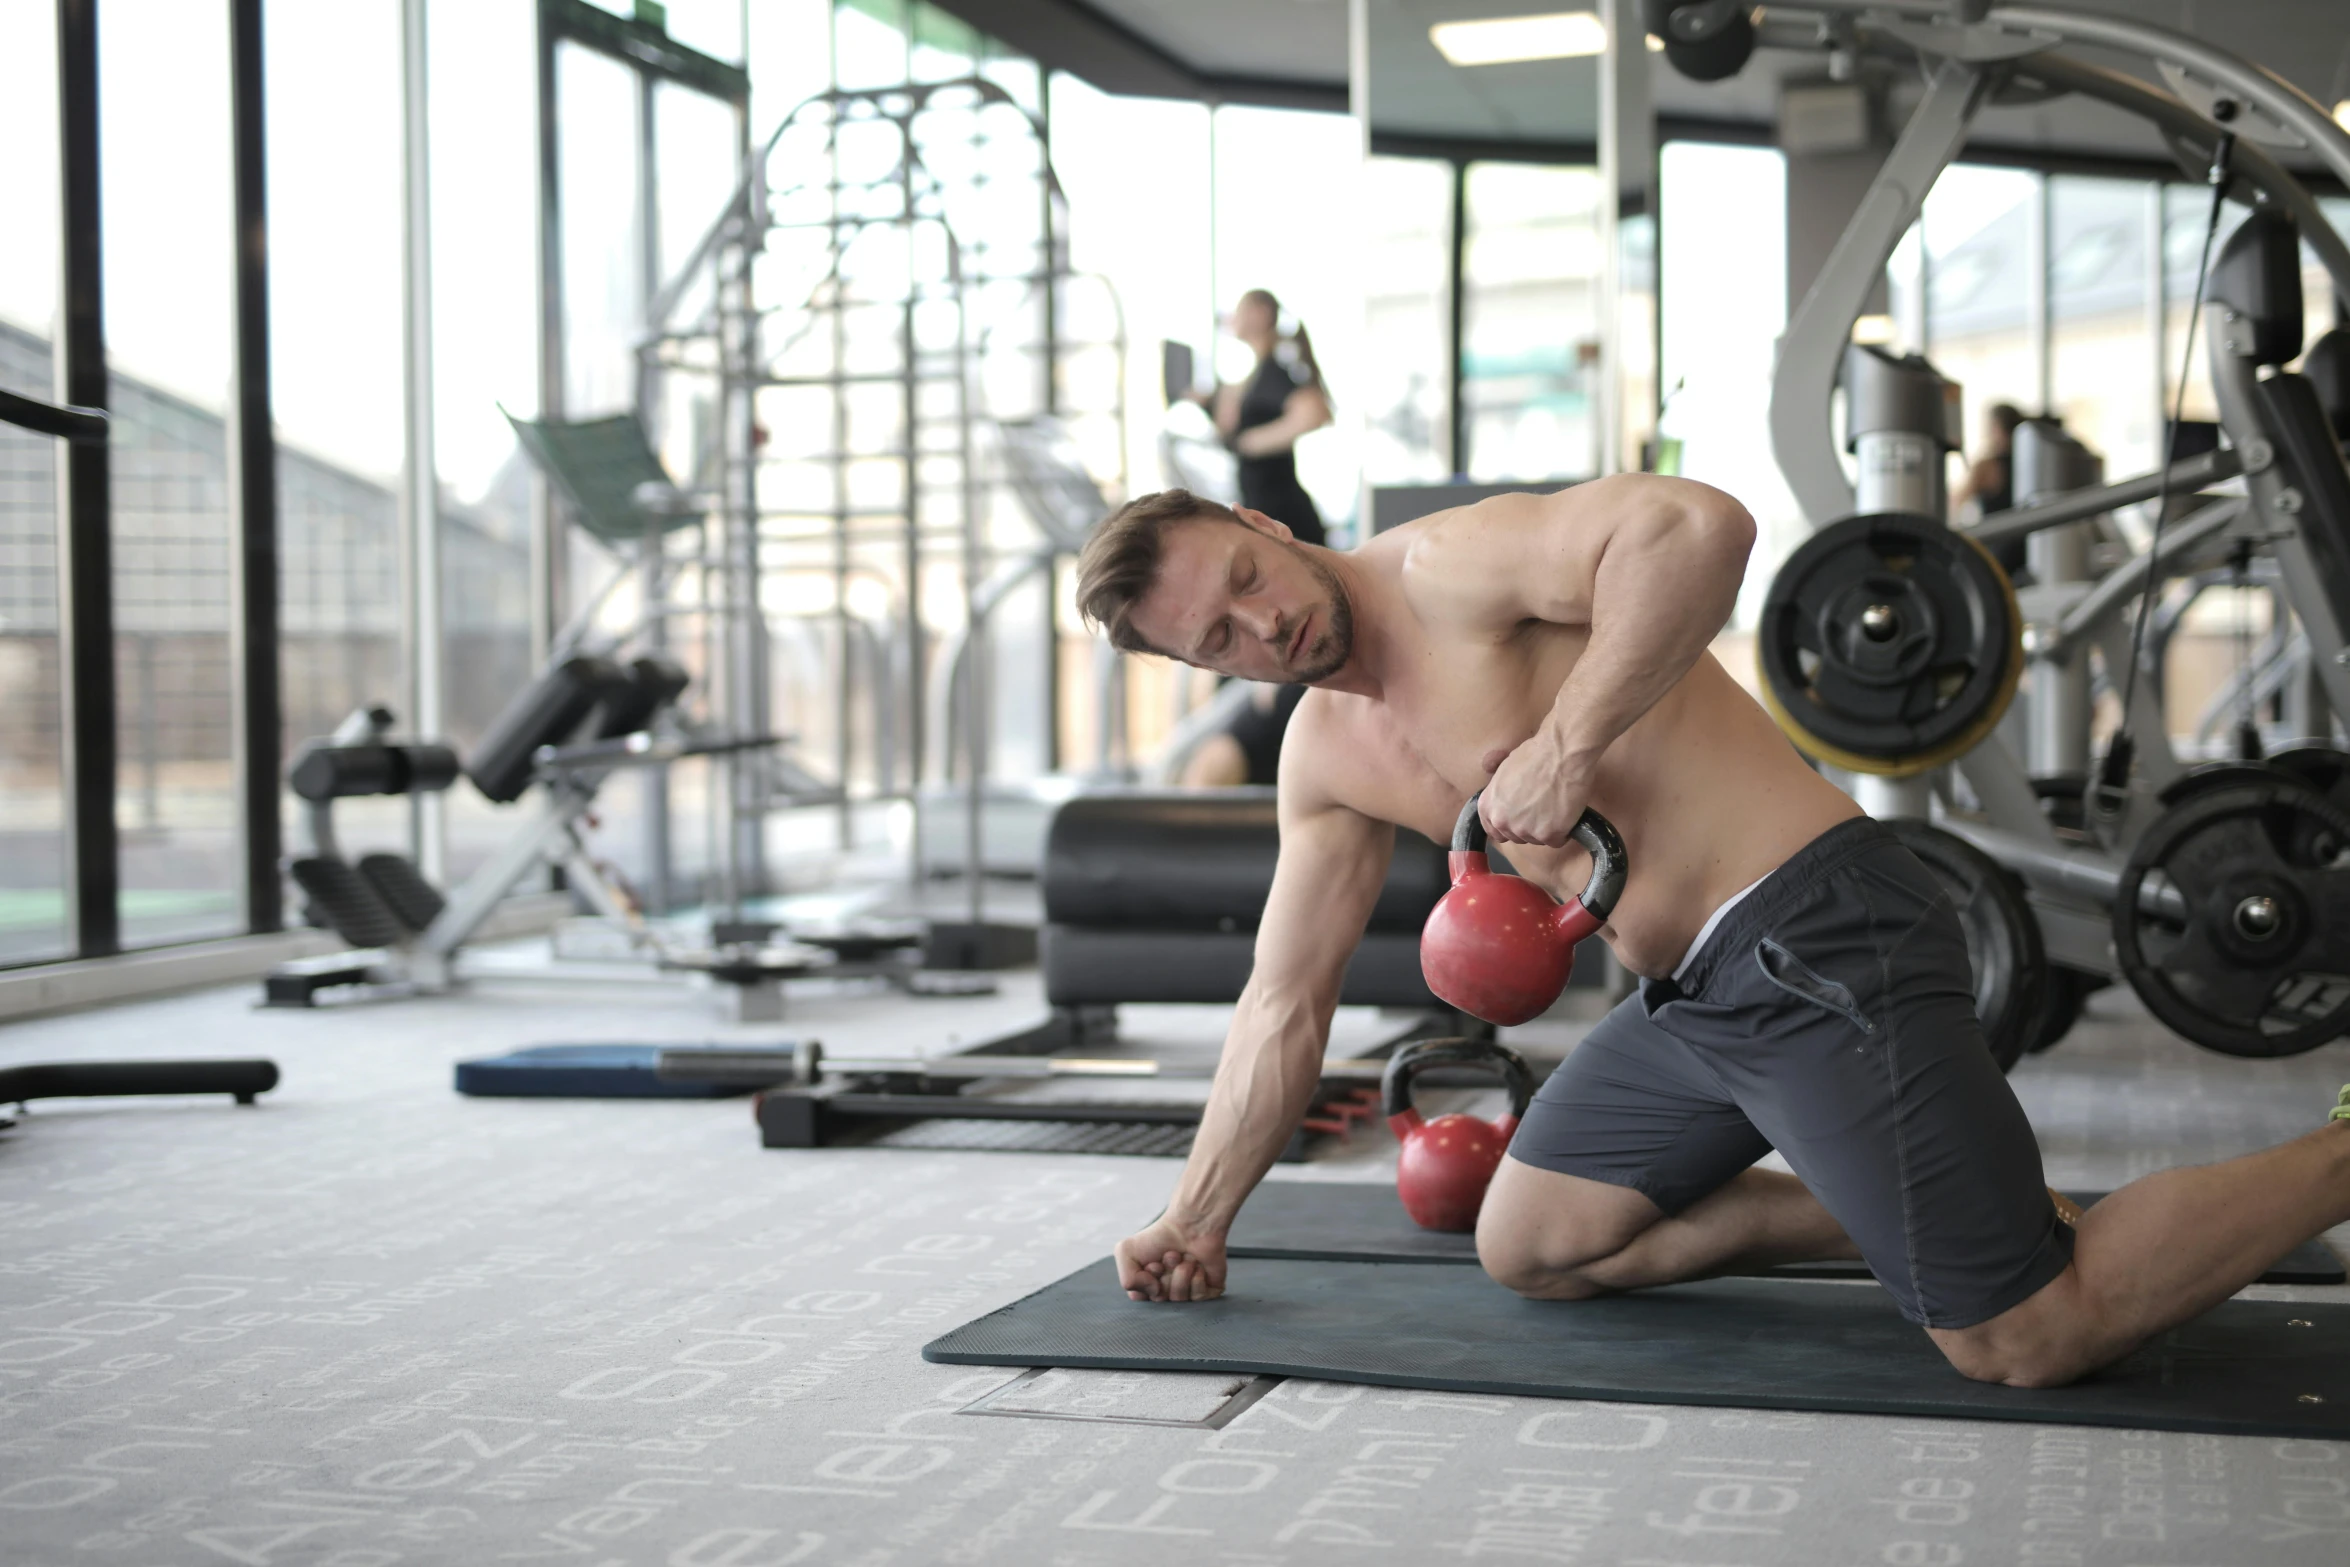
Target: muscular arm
<point>1333,862</point>
<point>1651,565</point>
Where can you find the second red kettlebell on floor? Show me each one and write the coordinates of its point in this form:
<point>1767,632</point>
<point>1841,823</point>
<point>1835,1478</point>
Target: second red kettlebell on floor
<point>1496,946</point>
<point>1444,1165</point>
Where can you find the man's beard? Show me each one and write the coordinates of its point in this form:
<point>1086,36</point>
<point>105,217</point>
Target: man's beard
<point>1328,653</point>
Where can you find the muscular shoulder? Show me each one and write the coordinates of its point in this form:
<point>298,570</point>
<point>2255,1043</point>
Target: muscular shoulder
<point>1347,752</point>
<point>1515,557</point>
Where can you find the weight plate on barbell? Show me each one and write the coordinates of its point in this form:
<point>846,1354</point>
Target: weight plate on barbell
<point>2253,959</point>
<point>2003,943</point>
<point>2322,767</point>
<point>1889,644</point>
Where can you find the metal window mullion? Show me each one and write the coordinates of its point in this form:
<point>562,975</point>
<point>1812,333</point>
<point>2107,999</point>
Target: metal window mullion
<point>85,557</point>
<point>2037,300</point>
<point>252,488</point>
<point>2157,307</point>
<point>420,531</point>
<point>1456,323</point>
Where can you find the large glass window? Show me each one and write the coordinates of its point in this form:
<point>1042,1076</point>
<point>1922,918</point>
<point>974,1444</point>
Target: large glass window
<point>1979,257</point>
<point>1721,331</point>
<point>1136,171</point>
<point>333,118</point>
<point>1287,215</point>
<point>2102,374</point>
<point>1530,327</point>
<point>485,356</point>
<point>164,155</point>
<point>32,807</point>
<point>1405,383</point>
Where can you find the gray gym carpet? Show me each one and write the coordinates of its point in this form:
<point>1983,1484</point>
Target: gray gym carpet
<point>368,1322</point>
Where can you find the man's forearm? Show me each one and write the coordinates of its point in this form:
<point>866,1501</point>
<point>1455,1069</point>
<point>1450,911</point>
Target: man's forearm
<point>1272,1062</point>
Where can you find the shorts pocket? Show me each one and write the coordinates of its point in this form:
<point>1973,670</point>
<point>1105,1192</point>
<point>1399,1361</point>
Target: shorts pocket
<point>1796,977</point>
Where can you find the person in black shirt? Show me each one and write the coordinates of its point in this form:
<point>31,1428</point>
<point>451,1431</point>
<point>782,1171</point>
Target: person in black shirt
<point>1248,751</point>
<point>1261,419</point>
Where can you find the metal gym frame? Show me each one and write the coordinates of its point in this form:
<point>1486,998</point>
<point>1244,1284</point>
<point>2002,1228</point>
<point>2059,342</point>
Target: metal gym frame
<point>644,47</point>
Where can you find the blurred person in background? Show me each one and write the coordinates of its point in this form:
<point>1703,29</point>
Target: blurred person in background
<point>1262,419</point>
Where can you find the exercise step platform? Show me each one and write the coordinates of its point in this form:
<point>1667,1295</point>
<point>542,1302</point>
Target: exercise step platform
<point>298,981</point>
<point>864,1111</point>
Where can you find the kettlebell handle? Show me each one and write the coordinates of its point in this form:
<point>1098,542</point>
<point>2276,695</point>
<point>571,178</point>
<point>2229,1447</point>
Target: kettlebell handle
<point>1395,1084</point>
<point>1594,832</point>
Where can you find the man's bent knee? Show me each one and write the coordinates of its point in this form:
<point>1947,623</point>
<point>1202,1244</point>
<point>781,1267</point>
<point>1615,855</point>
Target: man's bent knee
<point>2049,1340</point>
<point>1543,1234</point>
<point>1521,1268</point>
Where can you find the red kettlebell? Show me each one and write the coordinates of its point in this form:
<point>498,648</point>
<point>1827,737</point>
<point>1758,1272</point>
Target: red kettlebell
<point>1446,1164</point>
<point>1496,946</point>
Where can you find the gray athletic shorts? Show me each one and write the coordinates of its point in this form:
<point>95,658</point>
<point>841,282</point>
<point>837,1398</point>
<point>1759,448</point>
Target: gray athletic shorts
<point>1830,1015</point>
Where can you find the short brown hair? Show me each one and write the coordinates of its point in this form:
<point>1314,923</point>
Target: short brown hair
<point>1119,562</point>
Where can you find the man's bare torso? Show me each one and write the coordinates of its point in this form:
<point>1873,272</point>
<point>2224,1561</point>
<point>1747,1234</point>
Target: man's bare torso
<point>1707,793</point>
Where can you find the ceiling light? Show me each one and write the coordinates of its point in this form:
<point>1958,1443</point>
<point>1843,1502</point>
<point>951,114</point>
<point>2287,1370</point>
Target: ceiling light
<point>1873,329</point>
<point>1499,40</point>
<point>2342,114</point>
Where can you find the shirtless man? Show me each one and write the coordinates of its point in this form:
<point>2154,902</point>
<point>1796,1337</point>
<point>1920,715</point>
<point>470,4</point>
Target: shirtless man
<point>1805,985</point>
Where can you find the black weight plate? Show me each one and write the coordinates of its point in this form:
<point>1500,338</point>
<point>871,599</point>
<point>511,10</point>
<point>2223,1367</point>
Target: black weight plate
<point>2002,936</point>
<point>2240,985</point>
<point>2066,994</point>
<point>2321,767</point>
<point>2223,775</point>
<point>1889,644</point>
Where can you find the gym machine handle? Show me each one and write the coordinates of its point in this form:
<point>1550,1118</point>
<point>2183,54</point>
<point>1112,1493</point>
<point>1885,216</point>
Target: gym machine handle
<point>86,426</point>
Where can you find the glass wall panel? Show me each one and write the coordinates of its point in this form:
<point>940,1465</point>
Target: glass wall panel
<point>1979,257</point>
<point>715,27</point>
<point>1287,216</point>
<point>164,154</point>
<point>941,47</point>
<point>32,805</point>
<point>869,43</point>
<point>791,58</point>
<point>333,119</point>
<point>2101,354</point>
<point>485,354</point>
<point>1136,171</point>
<point>1721,330</point>
<point>1530,326</point>
<point>1405,388</point>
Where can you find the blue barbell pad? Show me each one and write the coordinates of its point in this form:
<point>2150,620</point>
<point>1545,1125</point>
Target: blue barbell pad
<point>588,1072</point>
<point>2248,1368</point>
<point>1330,1221</point>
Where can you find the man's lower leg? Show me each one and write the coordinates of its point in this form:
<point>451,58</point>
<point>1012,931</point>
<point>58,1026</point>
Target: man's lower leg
<point>1759,1219</point>
<point>2171,1246</point>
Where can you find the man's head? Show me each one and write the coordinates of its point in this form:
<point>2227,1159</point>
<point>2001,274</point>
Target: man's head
<point>1225,589</point>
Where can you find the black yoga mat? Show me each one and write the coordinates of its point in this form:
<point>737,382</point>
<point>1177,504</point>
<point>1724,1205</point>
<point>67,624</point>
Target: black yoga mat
<point>2250,1368</point>
<point>1359,1222</point>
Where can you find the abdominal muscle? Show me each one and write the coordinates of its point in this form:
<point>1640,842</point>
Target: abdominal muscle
<point>1708,795</point>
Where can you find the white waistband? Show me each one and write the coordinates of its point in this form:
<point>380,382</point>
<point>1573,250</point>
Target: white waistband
<point>1697,944</point>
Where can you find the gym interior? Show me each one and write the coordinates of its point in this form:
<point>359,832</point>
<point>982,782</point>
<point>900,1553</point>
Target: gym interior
<point>598,949</point>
